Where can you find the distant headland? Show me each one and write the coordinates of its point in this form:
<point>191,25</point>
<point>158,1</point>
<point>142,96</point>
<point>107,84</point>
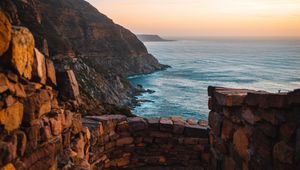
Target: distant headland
<point>150,38</point>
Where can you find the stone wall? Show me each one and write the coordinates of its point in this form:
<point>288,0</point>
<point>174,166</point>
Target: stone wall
<point>254,129</point>
<point>121,142</point>
<point>33,124</point>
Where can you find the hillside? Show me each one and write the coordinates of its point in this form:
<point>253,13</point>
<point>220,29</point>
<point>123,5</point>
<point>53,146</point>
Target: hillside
<point>101,53</point>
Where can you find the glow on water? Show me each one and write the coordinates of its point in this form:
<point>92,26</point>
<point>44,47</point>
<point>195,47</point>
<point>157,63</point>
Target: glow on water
<point>262,64</point>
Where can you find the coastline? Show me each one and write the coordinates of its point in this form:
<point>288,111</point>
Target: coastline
<point>140,90</point>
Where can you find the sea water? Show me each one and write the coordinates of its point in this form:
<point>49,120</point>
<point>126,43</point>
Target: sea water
<point>271,64</point>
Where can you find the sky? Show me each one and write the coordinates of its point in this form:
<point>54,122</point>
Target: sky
<point>205,17</point>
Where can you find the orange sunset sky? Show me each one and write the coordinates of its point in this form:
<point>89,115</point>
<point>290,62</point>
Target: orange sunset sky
<point>205,17</point>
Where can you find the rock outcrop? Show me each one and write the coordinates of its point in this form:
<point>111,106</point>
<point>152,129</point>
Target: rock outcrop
<point>101,53</point>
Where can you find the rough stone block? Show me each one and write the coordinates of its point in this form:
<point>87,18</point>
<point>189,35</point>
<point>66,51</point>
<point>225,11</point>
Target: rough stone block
<point>249,116</point>
<point>191,121</point>
<point>22,141</point>
<point>268,129</point>
<point>241,143</point>
<point>191,141</point>
<point>78,146</point>
<point>33,136</point>
<point>298,146</point>
<point>12,116</point>
<point>230,97</point>
<point>283,153</point>
<point>158,134</point>
<point>122,126</point>
<point>294,97</point>
<point>227,130</point>
<point>203,123</point>
<point>22,55</point>
<point>8,166</point>
<point>51,75</point>
<point>109,121</point>
<point>56,125</point>
<point>166,124</point>
<point>76,124</point>
<point>42,158</point>
<point>196,131</point>
<point>68,85</point>
<point>267,100</point>
<point>109,145</point>
<point>121,162</point>
<point>229,163</point>
<point>137,124</point>
<point>270,116</point>
<point>12,77</point>
<point>215,121</point>
<point>153,123</point>
<point>39,67</point>
<point>178,127</point>
<point>124,141</point>
<point>37,105</point>
<point>4,84</point>
<point>210,103</point>
<point>287,130</point>
<point>5,33</point>
<point>262,145</point>
<point>9,101</point>
<point>19,90</point>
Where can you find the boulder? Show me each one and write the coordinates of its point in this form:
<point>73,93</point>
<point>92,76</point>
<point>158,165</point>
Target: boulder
<point>39,67</point>
<point>5,33</point>
<point>22,54</point>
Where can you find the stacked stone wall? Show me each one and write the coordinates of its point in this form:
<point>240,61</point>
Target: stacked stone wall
<point>120,142</point>
<point>254,129</point>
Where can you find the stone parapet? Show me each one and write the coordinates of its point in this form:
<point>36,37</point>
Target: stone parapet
<point>254,129</point>
<point>121,142</point>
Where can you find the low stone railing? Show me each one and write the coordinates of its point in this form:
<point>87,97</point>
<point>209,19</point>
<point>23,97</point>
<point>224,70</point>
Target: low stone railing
<point>254,130</point>
<point>121,142</point>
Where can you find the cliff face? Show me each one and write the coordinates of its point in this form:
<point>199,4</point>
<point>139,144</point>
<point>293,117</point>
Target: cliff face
<point>100,52</point>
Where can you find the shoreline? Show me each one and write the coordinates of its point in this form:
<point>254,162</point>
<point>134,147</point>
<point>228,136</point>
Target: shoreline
<point>139,90</point>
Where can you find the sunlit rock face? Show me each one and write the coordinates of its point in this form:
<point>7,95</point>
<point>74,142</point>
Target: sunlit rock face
<point>100,52</point>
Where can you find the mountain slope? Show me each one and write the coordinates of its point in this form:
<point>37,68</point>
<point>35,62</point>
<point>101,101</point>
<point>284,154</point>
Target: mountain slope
<point>101,53</point>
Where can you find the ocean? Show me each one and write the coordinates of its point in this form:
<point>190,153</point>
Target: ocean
<point>270,64</point>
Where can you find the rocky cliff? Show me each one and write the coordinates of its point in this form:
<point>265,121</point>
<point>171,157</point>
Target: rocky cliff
<point>78,37</point>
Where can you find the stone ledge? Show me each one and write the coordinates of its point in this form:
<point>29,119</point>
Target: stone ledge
<point>237,97</point>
